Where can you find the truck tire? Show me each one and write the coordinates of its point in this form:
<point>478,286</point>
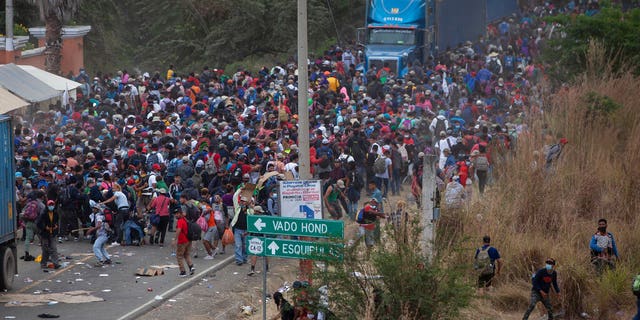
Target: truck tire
<point>7,268</point>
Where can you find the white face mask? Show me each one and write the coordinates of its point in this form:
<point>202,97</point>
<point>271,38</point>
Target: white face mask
<point>51,208</point>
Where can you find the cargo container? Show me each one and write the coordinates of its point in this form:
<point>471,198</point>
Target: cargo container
<point>8,214</point>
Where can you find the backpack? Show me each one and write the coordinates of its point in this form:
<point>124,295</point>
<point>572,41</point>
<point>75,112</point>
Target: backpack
<point>481,163</point>
<point>357,182</point>
<point>172,167</point>
<point>65,197</point>
<point>282,115</point>
<point>636,286</point>
<point>236,176</point>
<point>151,160</point>
<point>406,124</point>
<point>197,180</point>
<point>325,157</point>
<point>192,212</point>
<point>483,262</point>
<point>440,126</point>
<point>194,232</point>
<point>360,216</point>
<point>30,211</point>
<point>380,166</point>
<point>493,66</point>
<point>210,165</point>
<point>383,76</point>
<point>173,94</point>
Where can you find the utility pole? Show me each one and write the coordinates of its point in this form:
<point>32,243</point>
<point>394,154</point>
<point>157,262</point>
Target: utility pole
<point>8,25</point>
<point>428,203</point>
<point>304,167</point>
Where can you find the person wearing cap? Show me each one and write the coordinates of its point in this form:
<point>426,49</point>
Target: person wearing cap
<point>160,205</point>
<point>121,215</point>
<point>68,201</point>
<point>454,195</point>
<point>48,228</point>
<point>541,282</point>
<point>254,259</point>
<point>382,178</point>
<point>182,245</point>
<point>241,207</point>
<point>445,142</point>
<point>439,123</point>
<point>553,152</point>
<point>488,263</point>
<point>332,197</point>
<point>35,206</point>
<point>102,231</point>
<point>368,221</point>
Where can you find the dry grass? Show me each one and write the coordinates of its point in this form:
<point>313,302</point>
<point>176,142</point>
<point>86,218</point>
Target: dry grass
<point>531,214</point>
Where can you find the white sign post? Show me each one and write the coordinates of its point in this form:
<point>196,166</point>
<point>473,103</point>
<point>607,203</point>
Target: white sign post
<point>301,199</point>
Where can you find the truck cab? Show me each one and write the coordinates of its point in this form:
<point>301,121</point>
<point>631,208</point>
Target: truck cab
<point>394,35</point>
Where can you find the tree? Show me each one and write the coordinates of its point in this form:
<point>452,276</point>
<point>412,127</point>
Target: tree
<point>54,13</point>
<point>566,53</point>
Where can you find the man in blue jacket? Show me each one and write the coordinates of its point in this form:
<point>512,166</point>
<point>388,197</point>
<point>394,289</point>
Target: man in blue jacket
<point>541,285</point>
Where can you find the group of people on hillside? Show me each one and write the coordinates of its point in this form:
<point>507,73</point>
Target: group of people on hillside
<point>604,254</point>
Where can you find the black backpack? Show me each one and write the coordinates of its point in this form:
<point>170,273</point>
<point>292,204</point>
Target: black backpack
<point>192,212</point>
<point>357,182</point>
<point>493,66</point>
<point>236,176</point>
<point>194,232</point>
<point>65,197</point>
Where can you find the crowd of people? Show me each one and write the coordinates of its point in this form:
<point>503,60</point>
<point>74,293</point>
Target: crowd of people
<point>134,144</point>
<point>135,155</point>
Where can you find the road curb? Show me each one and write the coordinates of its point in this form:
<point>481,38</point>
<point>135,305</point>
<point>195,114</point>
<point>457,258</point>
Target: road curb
<point>139,311</point>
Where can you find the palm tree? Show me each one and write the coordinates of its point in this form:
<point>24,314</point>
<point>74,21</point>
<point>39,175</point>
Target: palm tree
<point>54,13</point>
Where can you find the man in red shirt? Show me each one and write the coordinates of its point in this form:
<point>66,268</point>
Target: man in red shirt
<point>183,246</point>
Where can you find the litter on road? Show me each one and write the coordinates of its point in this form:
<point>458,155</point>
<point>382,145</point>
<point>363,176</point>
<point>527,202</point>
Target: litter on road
<point>149,272</point>
<point>29,300</point>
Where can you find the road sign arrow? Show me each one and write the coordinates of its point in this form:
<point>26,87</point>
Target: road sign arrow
<point>273,247</point>
<point>259,224</point>
<point>308,211</point>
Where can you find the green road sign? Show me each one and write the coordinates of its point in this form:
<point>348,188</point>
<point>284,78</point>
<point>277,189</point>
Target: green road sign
<point>294,249</point>
<point>295,226</point>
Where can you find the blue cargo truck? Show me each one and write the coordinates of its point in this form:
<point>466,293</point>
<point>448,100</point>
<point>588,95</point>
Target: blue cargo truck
<point>8,214</point>
<point>400,32</point>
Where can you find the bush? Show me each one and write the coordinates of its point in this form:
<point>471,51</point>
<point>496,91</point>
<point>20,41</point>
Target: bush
<point>397,281</point>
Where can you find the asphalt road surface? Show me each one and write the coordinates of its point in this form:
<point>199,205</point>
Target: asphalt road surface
<point>218,290</point>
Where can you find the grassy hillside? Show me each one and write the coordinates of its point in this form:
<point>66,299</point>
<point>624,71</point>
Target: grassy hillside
<point>532,214</point>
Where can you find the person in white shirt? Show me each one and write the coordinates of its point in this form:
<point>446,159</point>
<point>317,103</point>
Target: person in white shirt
<point>445,142</point>
<point>382,179</point>
<point>122,203</point>
<point>292,166</point>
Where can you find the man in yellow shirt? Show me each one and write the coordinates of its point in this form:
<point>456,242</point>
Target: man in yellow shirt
<point>333,83</point>
<point>170,72</point>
